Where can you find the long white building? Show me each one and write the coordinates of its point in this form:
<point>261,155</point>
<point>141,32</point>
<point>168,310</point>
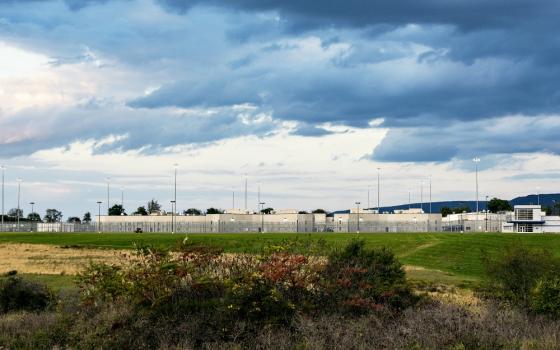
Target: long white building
<point>280,221</point>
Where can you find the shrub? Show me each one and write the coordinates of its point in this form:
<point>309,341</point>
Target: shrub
<point>361,279</point>
<point>233,297</point>
<point>515,271</point>
<point>545,298</point>
<point>17,293</point>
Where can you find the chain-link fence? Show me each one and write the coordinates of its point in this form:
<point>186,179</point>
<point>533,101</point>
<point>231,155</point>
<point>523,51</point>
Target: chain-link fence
<point>227,227</point>
<point>47,227</point>
<point>484,225</point>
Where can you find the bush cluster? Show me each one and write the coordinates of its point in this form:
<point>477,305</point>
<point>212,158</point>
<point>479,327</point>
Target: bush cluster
<point>237,294</point>
<point>526,277</point>
<point>18,294</point>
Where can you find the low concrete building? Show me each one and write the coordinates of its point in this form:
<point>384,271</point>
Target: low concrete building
<point>474,222</point>
<point>530,218</point>
<point>366,222</point>
<point>228,222</point>
<point>281,221</point>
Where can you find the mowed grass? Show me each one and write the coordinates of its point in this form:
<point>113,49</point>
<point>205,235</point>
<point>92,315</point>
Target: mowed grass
<point>443,256</point>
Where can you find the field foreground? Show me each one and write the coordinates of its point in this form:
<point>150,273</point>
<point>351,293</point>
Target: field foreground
<point>438,257</point>
<point>350,298</point>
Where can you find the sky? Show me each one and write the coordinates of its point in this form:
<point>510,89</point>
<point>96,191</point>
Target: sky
<point>311,100</point>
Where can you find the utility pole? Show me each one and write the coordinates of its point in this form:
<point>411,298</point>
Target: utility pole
<point>232,199</point>
<point>122,197</point>
<point>32,211</point>
<point>99,216</point>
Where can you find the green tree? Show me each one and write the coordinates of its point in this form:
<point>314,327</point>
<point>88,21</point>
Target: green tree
<point>52,215</point>
<point>154,206</point>
<point>34,217</point>
<point>74,220</point>
<point>15,213</point>
<point>319,211</point>
<point>462,209</point>
<point>496,205</point>
<point>267,210</point>
<point>446,211</point>
<point>141,211</point>
<point>214,211</point>
<point>553,209</point>
<point>87,218</point>
<point>192,212</point>
<point>516,269</point>
<point>117,210</point>
<point>302,212</point>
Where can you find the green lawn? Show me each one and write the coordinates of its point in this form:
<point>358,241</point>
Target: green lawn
<point>444,256</point>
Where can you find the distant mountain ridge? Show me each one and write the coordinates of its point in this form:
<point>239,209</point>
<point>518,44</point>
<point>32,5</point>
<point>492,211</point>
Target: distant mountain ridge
<point>545,200</point>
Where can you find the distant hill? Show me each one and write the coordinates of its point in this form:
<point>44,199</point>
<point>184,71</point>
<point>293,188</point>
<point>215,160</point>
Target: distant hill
<point>545,200</point>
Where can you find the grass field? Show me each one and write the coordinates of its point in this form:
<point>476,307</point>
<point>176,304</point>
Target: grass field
<point>449,257</point>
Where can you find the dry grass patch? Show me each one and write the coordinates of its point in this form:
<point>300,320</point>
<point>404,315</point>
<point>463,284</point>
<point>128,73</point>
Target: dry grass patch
<point>49,259</point>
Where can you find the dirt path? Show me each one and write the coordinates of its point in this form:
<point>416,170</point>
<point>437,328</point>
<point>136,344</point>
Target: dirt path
<point>420,247</point>
<point>49,259</point>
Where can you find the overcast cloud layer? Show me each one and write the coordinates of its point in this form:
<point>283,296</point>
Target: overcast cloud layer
<point>420,66</point>
<point>442,81</point>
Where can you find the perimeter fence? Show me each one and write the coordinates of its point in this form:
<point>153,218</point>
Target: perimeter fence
<point>224,227</point>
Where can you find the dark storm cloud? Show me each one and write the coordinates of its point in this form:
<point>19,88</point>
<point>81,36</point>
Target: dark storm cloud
<point>467,14</point>
<point>464,140</point>
<point>153,130</point>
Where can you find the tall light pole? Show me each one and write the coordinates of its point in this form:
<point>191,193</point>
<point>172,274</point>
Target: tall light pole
<point>409,199</point>
<point>262,216</point>
<point>430,194</point>
<point>172,217</point>
<point>258,193</point>
<point>175,184</point>
<point>368,196</point>
<point>108,190</point>
<point>233,199</point>
<point>358,206</point>
<point>422,196</point>
<point>99,216</point>
<point>245,192</point>
<point>486,214</point>
<point>378,191</point>
<point>18,197</point>
<point>3,168</point>
<point>32,211</point>
<point>476,160</point>
<point>174,202</point>
<point>122,197</point>
<point>538,195</point>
